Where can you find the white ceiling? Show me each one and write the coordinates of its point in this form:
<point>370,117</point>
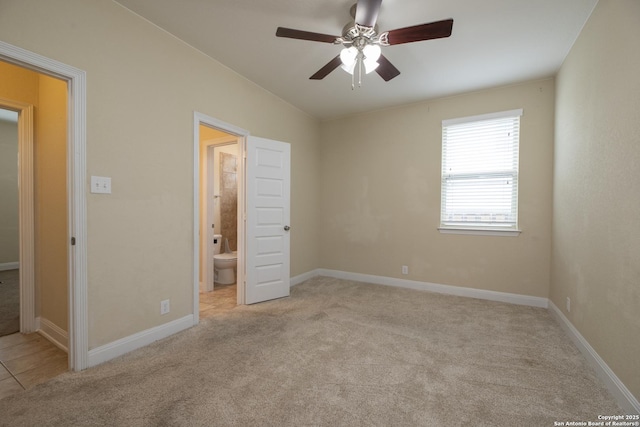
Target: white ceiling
<point>494,42</point>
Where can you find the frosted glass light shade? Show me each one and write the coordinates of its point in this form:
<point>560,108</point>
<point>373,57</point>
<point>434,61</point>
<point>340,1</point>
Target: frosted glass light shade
<point>348,57</point>
<point>372,52</point>
<point>369,65</point>
<point>371,55</point>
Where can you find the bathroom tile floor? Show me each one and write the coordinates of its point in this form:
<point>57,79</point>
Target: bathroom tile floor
<point>28,360</point>
<point>222,299</point>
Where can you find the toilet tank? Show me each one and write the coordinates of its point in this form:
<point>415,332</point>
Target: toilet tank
<point>217,243</point>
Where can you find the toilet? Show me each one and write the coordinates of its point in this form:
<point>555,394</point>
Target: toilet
<point>224,262</point>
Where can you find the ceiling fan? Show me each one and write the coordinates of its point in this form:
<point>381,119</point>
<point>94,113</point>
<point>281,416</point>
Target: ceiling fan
<point>362,42</point>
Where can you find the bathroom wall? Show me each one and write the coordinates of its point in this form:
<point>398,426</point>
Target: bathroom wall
<point>218,218</point>
<point>9,248</point>
<point>228,200</point>
<point>380,195</point>
<point>207,136</point>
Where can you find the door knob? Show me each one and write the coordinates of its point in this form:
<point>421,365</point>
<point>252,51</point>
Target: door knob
<point>287,228</point>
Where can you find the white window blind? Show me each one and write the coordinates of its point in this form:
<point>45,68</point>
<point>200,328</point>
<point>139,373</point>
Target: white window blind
<point>480,171</point>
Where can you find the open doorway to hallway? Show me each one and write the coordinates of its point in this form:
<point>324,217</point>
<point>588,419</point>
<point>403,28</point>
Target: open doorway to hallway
<point>220,155</point>
<point>35,259</point>
<point>9,225</point>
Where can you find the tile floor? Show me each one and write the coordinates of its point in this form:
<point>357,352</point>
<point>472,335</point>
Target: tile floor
<point>28,360</point>
<point>222,299</point>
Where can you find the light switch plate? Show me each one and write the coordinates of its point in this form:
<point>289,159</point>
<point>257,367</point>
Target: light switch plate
<point>101,184</point>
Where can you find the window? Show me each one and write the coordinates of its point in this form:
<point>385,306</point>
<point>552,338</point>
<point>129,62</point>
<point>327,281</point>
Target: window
<point>480,172</point>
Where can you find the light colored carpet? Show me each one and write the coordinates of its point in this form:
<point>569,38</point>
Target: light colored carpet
<point>9,302</point>
<point>336,353</point>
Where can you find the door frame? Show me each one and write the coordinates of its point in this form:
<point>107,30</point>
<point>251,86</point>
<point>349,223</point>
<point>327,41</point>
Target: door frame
<point>78,325</point>
<point>241,135</point>
<point>26,225</point>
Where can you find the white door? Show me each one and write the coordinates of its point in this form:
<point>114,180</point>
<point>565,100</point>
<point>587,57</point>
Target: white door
<point>268,214</point>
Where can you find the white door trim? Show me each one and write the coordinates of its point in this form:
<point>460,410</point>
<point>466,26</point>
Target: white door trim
<point>76,187</point>
<point>203,119</point>
<point>25,214</point>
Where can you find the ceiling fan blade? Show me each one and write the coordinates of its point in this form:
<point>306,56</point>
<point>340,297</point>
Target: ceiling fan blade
<point>324,71</point>
<point>416,33</point>
<point>367,12</point>
<point>304,35</point>
<point>386,69</point>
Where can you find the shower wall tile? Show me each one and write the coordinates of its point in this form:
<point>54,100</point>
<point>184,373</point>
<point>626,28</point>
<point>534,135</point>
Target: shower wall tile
<point>229,199</point>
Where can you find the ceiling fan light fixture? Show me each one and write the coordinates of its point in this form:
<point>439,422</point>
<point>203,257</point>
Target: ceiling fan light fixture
<point>371,55</point>
<point>362,41</point>
<point>349,56</point>
<point>370,66</point>
<point>372,52</point>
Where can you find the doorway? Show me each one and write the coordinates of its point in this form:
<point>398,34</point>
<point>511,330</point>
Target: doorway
<point>74,242</point>
<point>41,220</point>
<point>33,227</point>
<point>220,157</point>
<point>9,224</point>
<point>263,195</point>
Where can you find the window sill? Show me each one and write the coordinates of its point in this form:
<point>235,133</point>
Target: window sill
<point>480,231</point>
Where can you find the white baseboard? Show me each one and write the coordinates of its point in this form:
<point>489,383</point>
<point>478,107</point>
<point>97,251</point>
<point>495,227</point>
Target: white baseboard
<point>52,332</point>
<point>9,266</point>
<point>441,289</point>
<point>296,280</point>
<point>133,342</point>
<point>620,392</point>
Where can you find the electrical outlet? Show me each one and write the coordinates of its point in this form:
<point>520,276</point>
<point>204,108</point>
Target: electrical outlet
<point>405,269</point>
<point>164,307</point>
<point>569,304</point>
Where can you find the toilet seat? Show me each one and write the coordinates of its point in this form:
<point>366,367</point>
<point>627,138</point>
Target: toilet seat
<point>231,256</point>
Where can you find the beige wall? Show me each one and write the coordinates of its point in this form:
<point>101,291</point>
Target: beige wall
<point>207,133</point>
<point>381,195</point>
<point>50,184</point>
<point>596,235</point>
<point>143,86</point>
<point>380,188</point>
<point>16,84</point>
<point>48,96</point>
<point>9,248</point>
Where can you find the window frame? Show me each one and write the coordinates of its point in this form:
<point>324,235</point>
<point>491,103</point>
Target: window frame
<point>492,229</point>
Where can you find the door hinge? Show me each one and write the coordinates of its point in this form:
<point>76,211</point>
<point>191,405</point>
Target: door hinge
<point>73,241</point>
